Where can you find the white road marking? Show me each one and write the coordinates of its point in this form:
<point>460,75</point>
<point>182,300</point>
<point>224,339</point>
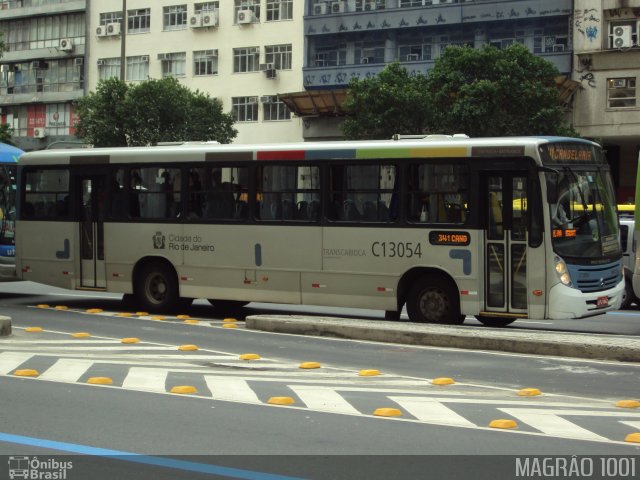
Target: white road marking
<point>323,399</point>
<point>231,389</point>
<point>67,370</point>
<point>146,379</point>
<point>431,411</point>
<point>9,361</point>
<point>635,425</point>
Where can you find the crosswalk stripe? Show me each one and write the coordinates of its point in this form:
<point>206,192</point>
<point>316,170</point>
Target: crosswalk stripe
<point>635,425</point>
<point>323,399</point>
<point>430,410</point>
<point>230,389</point>
<point>549,422</point>
<point>9,361</point>
<point>147,379</point>
<point>67,370</point>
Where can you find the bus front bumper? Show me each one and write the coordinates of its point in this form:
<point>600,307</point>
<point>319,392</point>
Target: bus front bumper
<point>8,269</point>
<point>566,302</point>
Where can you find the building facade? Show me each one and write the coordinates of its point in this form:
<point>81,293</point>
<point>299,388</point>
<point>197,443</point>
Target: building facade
<point>607,64</point>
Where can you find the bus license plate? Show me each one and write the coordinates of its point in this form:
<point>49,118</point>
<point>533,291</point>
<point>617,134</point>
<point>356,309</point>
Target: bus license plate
<point>602,301</point>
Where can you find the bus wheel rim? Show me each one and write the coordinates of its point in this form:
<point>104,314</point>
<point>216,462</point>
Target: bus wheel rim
<point>433,305</point>
<point>157,288</point>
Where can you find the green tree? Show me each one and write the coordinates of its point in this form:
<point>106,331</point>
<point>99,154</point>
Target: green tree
<point>6,132</point>
<point>150,112</point>
<point>495,92</point>
<point>391,102</point>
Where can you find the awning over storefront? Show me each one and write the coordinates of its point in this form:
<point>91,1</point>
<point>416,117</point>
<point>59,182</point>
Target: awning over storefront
<point>566,89</point>
<point>315,102</point>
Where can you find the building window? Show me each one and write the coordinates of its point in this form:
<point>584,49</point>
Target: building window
<point>410,3</point>
<point>369,52</point>
<point>274,109</point>
<point>205,62</point>
<point>108,67</point>
<point>205,7</point>
<point>245,5</point>
<point>137,68</point>
<point>330,55</point>
<point>244,109</point>
<point>368,5</point>
<point>139,21</point>
<point>279,55</point>
<point>414,48</point>
<point>110,17</point>
<point>623,34</point>
<point>175,17</point>
<point>246,59</point>
<point>621,92</point>
<point>279,10</point>
<point>173,64</point>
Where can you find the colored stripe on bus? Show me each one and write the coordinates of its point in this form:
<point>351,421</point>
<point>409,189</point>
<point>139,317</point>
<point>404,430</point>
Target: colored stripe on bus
<point>280,155</point>
<point>429,152</point>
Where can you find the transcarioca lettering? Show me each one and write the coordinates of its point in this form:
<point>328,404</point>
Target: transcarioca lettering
<point>343,252</point>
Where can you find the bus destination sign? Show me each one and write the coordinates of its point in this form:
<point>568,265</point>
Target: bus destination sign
<point>569,153</point>
<point>443,237</point>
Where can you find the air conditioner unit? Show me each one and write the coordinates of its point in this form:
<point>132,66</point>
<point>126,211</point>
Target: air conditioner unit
<point>266,66</point>
<point>144,58</point>
<point>245,16</point>
<point>366,60</point>
<point>412,57</point>
<point>113,28</point>
<point>320,8</point>
<point>5,68</point>
<point>370,5</point>
<point>271,73</point>
<point>163,56</point>
<point>252,100</point>
<point>66,45</point>
<point>195,21</point>
<point>338,7</point>
<point>619,83</point>
<point>101,31</point>
<point>268,99</point>
<point>210,18</point>
<point>100,62</point>
<point>622,36</point>
<point>78,61</point>
<point>39,133</point>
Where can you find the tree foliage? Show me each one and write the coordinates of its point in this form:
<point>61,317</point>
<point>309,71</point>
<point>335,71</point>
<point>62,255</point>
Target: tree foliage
<point>391,102</point>
<point>6,132</point>
<point>481,92</point>
<point>154,111</point>
<point>495,92</point>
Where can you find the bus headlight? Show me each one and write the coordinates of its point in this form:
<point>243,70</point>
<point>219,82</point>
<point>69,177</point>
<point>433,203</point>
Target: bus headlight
<point>563,272</point>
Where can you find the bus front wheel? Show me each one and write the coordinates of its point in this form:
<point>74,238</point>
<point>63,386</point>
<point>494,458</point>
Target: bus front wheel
<point>158,290</point>
<point>434,300</point>
<point>495,321</point>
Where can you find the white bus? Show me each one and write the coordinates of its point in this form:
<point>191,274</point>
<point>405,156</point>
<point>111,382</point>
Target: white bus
<point>498,228</point>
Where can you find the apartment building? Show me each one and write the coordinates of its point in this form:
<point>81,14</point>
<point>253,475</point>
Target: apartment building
<point>242,52</point>
<point>357,38</point>
<point>607,64</point>
<point>42,71</point>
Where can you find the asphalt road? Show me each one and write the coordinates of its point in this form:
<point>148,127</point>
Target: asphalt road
<point>330,431</point>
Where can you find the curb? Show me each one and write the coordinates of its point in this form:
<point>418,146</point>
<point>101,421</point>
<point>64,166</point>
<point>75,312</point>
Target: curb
<point>5,326</point>
<point>590,346</point>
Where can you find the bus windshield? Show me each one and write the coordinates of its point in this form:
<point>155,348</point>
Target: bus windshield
<point>583,220</point>
<point>7,204</point>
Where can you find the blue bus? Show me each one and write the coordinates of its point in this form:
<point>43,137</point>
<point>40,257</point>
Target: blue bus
<point>8,166</point>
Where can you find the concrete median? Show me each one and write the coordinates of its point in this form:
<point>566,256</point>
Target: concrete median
<point>5,326</point>
<point>579,345</point>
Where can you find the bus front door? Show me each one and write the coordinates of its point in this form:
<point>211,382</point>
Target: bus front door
<point>505,245</point>
<point>91,198</point>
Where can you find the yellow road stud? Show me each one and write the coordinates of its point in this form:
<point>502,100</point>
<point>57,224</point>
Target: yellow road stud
<point>183,317</point>
<point>33,329</point>
<point>191,321</point>
<point>142,314</point>
<point>26,373</point>
<point>387,412</point>
<point>100,381</point>
<point>633,437</point>
<point>130,340</point>
<point>43,305</point>
<point>529,392</point>
<point>310,365</point>
<point>249,356</point>
<point>628,404</point>
<point>124,314</point>
<point>368,373</point>
<point>94,310</point>
<point>81,335</point>
<point>229,325</point>
<point>442,381</point>
<point>281,401</point>
<point>157,317</point>
<point>503,423</point>
<point>184,389</point>
<point>188,348</point>
<point>229,320</point>
<point>61,307</point>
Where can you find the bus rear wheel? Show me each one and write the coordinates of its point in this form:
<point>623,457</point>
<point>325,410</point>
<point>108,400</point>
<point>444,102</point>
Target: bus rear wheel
<point>495,321</point>
<point>158,288</point>
<point>434,299</point>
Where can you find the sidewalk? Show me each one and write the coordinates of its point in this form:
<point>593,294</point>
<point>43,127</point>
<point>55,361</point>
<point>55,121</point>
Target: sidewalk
<point>579,345</point>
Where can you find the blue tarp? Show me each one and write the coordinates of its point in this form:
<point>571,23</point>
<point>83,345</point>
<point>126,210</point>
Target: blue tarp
<point>9,153</point>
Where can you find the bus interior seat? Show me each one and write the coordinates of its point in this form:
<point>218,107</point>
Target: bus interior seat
<point>287,210</point>
<point>313,210</point>
<point>383,211</point>
<point>351,212</point>
<point>370,212</point>
<point>241,210</point>
<point>302,210</point>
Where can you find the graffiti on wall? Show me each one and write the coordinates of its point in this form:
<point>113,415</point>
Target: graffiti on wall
<point>587,23</point>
